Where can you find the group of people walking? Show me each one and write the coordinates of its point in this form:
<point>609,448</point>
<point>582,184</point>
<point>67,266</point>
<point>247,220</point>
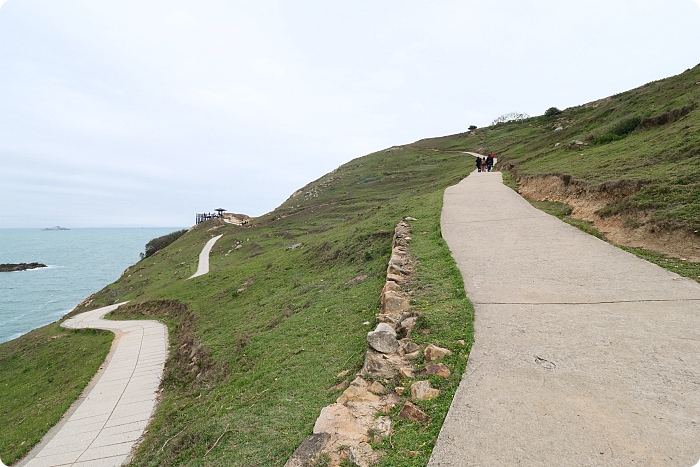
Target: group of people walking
<point>484,164</point>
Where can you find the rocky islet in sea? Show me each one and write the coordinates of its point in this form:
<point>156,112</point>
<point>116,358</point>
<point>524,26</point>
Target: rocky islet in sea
<point>8,267</point>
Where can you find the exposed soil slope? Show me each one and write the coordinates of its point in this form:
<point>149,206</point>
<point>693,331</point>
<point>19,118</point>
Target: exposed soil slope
<point>633,229</point>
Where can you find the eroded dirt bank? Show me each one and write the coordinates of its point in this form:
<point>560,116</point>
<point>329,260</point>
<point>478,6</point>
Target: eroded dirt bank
<point>632,230</point>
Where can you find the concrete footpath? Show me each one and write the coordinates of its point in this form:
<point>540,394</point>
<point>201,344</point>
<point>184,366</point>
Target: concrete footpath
<point>584,355</point>
<point>203,265</point>
<point>101,427</point>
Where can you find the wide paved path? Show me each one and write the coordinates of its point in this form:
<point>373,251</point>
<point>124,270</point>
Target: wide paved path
<point>584,355</point>
<point>203,265</point>
<point>102,426</point>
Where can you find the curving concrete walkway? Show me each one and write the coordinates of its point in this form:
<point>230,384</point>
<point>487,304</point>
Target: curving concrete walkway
<point>203,266</point>
<point>101,427</point>
<point>584,354</point>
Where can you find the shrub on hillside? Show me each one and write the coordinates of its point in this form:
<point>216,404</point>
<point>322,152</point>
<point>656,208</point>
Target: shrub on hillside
<point>552,111</point>
<point>472,127</point>
<point>161,242</point>
<point>620,130</point>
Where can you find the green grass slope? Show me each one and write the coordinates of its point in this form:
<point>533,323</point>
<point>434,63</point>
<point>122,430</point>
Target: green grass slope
<point>258,342</point>
<point>41,374</point>
<point>662,152</point>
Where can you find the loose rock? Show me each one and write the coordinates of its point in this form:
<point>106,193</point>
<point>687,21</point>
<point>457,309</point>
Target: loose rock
<point>390,318</point>
<point>388,402</point>
<point>390,286</point>
<point>576,144</point>
<point>413,413</point>
<point>398,278</point>
<point>382,366</point>
<point>433,352</point>
<point>394,302</point>
<point>407,325</point>
<point>383,425</point>
<point>362,455</point>
<point>377,388</point>
<point>356,394</point>
<point>422,391</point>
<point>407,346</point>
<point>397,269</point>
<point>338,420</point>
<point>360,382</point>
<point>308,450</point>
<point>439,369</point>
<point>383,339</point>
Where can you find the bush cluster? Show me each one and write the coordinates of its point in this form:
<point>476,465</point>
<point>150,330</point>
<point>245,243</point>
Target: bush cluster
<point>552,111</point>
<point>620,130</point>
<point>159,243</point>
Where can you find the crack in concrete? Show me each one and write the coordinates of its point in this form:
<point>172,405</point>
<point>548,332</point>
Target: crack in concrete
<point>484,221</point>
<point>590,303</point>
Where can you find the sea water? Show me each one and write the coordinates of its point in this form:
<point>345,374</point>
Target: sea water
<point>80,262</point>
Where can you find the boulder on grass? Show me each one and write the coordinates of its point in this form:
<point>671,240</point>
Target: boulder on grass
<point>439,369</point>
<point>382,366</point>
<point>356,394</point>
<point>308,450</point>
<point>413,413</point>
<point>383,339</point>
<point>433,352</point>
<point>423,391</point>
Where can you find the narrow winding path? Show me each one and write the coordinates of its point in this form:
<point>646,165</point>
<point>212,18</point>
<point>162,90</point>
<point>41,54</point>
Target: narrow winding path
<point>203,266</point>
<point>102,426</point>
<point>584,354</point>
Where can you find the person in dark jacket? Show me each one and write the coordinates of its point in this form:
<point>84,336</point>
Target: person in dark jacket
<point>489,162</point>
<point>478,164</point>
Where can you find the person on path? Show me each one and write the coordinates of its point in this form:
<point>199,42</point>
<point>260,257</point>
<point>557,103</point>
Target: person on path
<point>478,164</point>
<point>489,161</point>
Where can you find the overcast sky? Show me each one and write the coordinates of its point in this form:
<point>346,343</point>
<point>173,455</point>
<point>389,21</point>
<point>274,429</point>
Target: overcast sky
<point>142,113</point>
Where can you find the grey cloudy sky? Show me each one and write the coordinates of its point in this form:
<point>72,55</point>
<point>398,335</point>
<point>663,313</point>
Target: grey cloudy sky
<point>145,112</point>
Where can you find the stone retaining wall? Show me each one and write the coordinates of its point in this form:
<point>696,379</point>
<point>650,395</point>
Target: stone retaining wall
<point>344,429</point>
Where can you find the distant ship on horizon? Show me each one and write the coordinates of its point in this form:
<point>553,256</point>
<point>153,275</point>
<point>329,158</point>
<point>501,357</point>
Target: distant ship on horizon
<point>55,227</point>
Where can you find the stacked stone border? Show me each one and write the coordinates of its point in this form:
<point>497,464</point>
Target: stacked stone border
<point>344,429</point>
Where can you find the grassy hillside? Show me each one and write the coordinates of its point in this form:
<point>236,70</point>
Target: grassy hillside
<point>257,344</point>
<point>259,341</point>
<point>662,153</point>
<point>41,374</point>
